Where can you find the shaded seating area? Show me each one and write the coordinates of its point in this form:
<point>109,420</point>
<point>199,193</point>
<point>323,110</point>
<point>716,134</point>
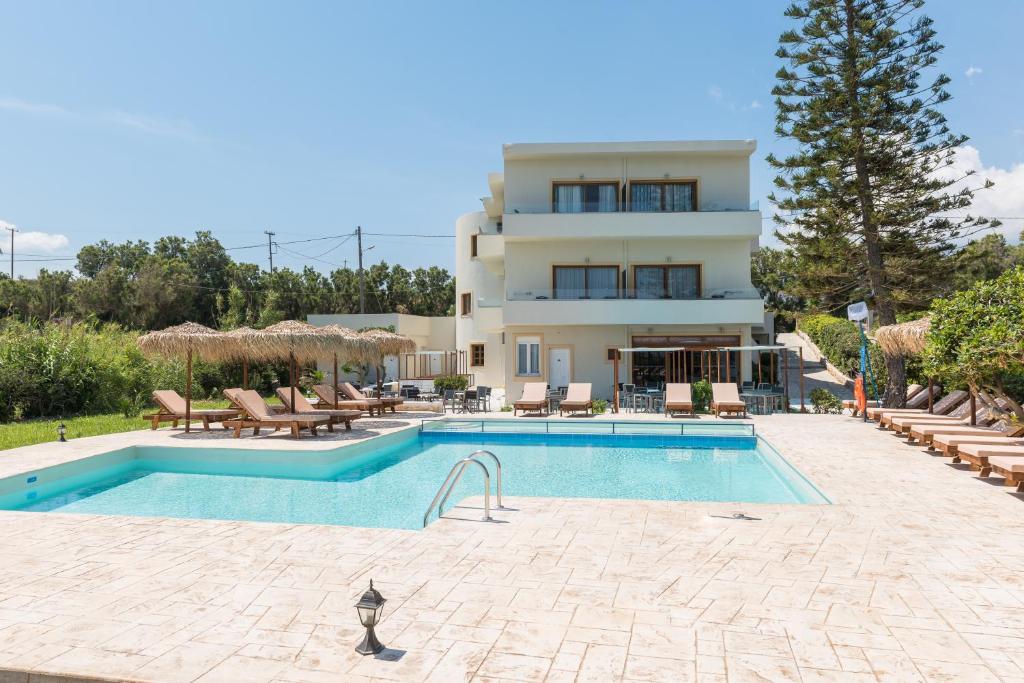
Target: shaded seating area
<point>257,414</point>
<point>327,397</point>
<point>301,406</point>
<point>171,407</point>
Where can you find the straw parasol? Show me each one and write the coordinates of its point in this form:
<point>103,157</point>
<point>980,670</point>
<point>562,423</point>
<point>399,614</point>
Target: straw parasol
<point>242,344</point>
<point>350,344</point>
<point>384,343</point>
<point>185,341</point>
<point>289,340</point>
<point>903,339</point>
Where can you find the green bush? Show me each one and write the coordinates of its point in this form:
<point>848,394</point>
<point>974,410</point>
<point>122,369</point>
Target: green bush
<point>454,382</point>
<point>824,401</point>
<point>839,341</point>
<point>701,395</point>
<point>599,406</point>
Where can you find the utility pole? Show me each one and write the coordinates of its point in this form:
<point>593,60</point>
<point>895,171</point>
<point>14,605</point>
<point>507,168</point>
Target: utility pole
<point>13,230</point>
<point>362,274</point>
<point>270,247</point>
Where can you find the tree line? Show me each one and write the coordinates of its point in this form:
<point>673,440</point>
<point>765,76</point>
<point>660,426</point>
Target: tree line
<point>151,286</point>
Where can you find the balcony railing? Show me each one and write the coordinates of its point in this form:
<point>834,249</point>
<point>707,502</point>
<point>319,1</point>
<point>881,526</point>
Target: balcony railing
<point>622,207</point>
<point>542,294</point>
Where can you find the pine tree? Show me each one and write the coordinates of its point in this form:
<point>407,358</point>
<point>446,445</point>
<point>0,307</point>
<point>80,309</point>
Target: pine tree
<point>870,142</point>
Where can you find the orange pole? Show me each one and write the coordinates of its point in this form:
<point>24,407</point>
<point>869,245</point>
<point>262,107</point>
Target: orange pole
<point>615,382</point>
<point>188,392</point>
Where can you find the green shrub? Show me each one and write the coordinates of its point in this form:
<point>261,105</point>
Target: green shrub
<point>598,406</point>
<point>824,401</point>
<point>701,395</point>
<point>454,382</point>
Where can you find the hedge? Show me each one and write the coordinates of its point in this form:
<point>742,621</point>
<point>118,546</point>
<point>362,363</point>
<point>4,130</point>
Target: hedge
<point>839,341</point>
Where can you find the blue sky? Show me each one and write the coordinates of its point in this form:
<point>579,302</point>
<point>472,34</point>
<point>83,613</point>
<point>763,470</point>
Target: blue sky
<point>127,120</point>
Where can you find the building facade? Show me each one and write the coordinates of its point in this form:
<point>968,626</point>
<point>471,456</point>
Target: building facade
<point>585,248</point>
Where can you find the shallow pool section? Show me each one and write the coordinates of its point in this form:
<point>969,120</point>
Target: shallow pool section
<point>390,483</point>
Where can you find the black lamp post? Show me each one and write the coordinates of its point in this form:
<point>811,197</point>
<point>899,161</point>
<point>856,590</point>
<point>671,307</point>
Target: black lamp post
<point>61,431</point>
<point>369,608</point>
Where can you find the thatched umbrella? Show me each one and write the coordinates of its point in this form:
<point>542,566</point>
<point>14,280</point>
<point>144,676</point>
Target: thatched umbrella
<point>289,340</point>
<point>350,344</point>
<point>384,343</point>
<point>242,344</point>
<point>903,339</point>
<point>185,341</point>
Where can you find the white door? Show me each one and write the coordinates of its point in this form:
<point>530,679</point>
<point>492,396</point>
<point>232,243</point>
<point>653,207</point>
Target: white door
<point>558,368</point>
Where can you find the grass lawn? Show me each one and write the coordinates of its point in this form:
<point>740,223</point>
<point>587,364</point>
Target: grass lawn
<point>28,432</point>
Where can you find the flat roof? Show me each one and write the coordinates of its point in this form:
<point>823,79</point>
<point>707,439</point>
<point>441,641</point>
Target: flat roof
<point>532,150</point>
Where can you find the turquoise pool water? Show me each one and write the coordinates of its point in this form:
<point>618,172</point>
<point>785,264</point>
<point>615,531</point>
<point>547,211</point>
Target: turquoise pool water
<point>392,486</point>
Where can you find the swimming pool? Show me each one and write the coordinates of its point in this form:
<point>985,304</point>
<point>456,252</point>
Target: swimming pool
<point>390,481</point>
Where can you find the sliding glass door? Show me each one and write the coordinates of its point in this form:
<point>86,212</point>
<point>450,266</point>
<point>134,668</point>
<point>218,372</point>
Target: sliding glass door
<point>667,282</point>
<point>585,197</point>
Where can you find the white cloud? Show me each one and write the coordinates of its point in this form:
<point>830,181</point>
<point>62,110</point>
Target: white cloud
<point>33,241</point>
<point>1004,199</point>
<point>15,104</point>
<point>180,128</point>
<point>973,71</point>
<point>755,104</point>
<point>715,93</point>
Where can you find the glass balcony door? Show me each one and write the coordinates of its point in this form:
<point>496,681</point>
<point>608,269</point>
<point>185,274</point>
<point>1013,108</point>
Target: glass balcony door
<point>667,282</point>
<point>586,282</point>
<point>585,197</point>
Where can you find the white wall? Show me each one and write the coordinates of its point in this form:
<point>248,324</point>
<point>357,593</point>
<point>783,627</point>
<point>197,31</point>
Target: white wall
<point>472,276</point>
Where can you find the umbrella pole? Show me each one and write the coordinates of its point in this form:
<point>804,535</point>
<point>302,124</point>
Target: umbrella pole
<point>802,409</point>
<point>335,380</point>
<point>615,381</point>
<point>291,377</point>
<point>188,391</point>
<point>245,373</point>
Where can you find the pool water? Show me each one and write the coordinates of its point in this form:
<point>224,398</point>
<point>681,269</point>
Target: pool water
<point>393,486</point>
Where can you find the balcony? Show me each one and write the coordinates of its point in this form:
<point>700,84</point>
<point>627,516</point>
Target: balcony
<point>717,307</point>
<point>542,222</point>
<point>490,249</point>
<point>489,315</point>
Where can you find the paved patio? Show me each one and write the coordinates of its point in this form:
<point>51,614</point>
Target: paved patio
<point>915,573</point>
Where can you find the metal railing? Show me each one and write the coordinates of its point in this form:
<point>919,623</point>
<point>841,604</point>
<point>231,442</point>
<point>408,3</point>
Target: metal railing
<point>628,293</point>
<point>453,478</point>
<point>603,427</point>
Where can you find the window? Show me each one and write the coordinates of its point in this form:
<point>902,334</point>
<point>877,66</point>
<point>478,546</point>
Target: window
<point>528,356</point>
<point>466,306</point>
<point>663,196</point>
<point>472,246</point>
<point>667,282</point>
<point>611,353</point>
<point>586,282</point>
<point>476,355</point>
<point>585,197</point>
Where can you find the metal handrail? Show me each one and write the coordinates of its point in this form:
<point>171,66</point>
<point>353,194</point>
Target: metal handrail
<point>460,466</point>
<point>440,507</point>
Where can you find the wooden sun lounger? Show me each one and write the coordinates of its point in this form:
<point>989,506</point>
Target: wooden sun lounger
<point>577,398</point>
<point>534,398</point>
<point>258,415</point>
<point>917,402</point>
<point>725,398</point>
<point>387,402</point>
<point>924,433</point>
<point>171,408</point>
<point>981,457</point>
<point>904,424</point>
<point>953,405</point>
<point>678,399</point>
<point>851,404</point>
<point>304,407</point>
<point>325,393</point>
<point>1011,468</point>
<point>949,444</point>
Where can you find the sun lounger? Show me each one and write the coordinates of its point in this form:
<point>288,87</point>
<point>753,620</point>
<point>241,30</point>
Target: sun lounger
<point>924,433</point>
<point>953,405</point>
<point>1011,468</point>
<point>577,398</point>
<point>325,393</point>
<point>949,444</point>
<point>171,408</point>
<point>257,414</point>
<point>678,399</point>
<point>354,394</point>
<point>304,407</point>
<point>851,404</point>
<point>917,402</point>
<point>725,398</point>
<point>534,398</point>
<point>980,456</point>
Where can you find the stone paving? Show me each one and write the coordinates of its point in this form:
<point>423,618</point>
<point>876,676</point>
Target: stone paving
<point>916,573</point>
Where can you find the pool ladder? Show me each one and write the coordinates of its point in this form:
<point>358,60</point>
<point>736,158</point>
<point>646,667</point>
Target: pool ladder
<point>455,474</point>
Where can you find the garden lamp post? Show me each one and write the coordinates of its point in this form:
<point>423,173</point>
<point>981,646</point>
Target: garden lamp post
<point>61,431</point>
<point>369,609</point>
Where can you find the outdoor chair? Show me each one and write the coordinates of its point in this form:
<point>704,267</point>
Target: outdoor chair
<point>577,398</point>
<point>678,399</point>
<point>257,414</point>
<point>448,401</point>
<point>327,399</point>
<point>171,408</point>
<point>534,398</point>
<point>386,401</point>
<point>726,399</point>
<point>304,407</point>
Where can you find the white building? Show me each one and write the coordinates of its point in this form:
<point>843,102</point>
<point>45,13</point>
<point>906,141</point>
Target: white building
<point>583,248</point>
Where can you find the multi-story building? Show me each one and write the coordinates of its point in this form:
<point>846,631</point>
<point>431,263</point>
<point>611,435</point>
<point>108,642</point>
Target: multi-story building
<point>585,248</point>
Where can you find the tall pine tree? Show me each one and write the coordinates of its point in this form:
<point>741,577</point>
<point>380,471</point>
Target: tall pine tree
<point>870,144</point>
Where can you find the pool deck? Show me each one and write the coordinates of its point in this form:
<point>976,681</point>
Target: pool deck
<point>916,573</point>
